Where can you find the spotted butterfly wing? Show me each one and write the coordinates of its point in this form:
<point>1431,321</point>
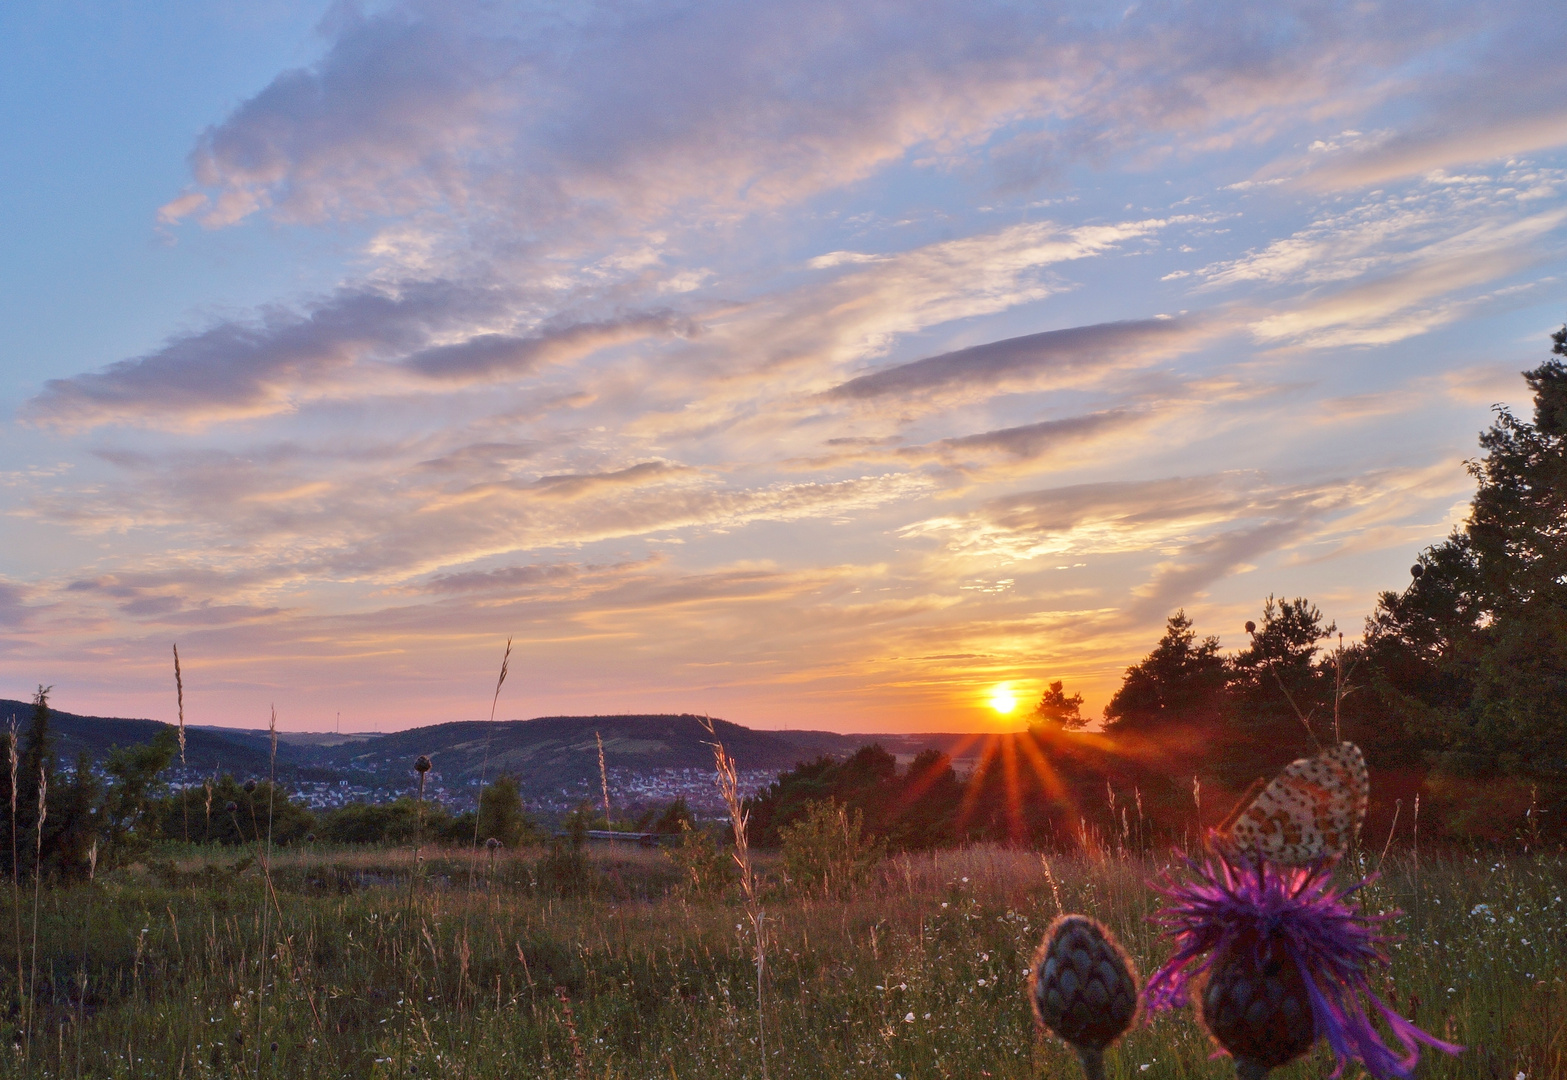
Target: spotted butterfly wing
<point>1309,812</point>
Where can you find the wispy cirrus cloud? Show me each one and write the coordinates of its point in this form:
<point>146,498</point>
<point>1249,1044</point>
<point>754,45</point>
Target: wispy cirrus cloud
<point>473,108</point>
<point>1034,358</point>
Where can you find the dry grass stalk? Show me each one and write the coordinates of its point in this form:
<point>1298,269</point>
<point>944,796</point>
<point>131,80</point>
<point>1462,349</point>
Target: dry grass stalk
<point>728,780</point>
<point>604,780</point>
<point>484,768</point>
<point>266,873</point>
<point>38,863</point>
<point>16,877</point>
<point>179,694</point>
<point>570,1022</point>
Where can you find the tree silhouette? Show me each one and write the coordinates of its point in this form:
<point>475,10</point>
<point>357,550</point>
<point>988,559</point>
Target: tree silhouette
<point>1060,710</point>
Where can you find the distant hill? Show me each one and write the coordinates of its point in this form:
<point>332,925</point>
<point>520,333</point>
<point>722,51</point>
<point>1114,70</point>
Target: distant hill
<point>560,748</point>
<point>207,750</point>
<point>545,752</point>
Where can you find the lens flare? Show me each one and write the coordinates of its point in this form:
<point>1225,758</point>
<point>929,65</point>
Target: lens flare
<point>1002,699</point>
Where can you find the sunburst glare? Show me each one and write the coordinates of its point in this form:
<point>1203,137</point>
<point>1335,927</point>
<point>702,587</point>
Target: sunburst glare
<point>1002,699</point>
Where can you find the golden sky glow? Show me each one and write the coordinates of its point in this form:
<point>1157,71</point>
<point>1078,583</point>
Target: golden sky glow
<point>833,381</point>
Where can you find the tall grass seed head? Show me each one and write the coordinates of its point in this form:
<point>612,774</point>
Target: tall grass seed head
<point>1082,984</point>
<point>1263,940</point>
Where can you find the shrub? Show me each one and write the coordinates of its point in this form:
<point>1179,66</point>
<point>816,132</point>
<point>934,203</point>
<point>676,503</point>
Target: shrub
<point>705,869</point>
<point>826,849</point>
<point>564,868</point>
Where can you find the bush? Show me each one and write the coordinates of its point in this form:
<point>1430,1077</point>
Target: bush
<point>202,814</point>
<point>501,814</point>
<point>826,849</point>
<point>705,869</point>
<point>384,823</point>
<point>564,868</point>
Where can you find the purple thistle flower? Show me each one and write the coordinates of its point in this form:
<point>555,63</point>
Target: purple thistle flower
<point>1266,909</point>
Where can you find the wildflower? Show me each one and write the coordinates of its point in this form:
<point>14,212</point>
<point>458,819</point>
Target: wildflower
<point>1286,956</point>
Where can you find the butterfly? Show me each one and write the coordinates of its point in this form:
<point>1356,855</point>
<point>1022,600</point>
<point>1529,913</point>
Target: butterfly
<point>1309,812</point>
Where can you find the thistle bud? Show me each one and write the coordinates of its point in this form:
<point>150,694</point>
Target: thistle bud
<point>422,765</point>
<point>1256,1004</point>
<point>250,786</point>
<point>1083,988</point>
<point>231,806</point>
<point>492,843</point>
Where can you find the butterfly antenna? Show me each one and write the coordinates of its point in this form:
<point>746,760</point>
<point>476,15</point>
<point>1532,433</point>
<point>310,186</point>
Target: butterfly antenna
<point>1247,798</point>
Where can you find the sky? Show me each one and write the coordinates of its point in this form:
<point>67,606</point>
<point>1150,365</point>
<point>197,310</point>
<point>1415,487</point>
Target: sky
<point>811,365</point>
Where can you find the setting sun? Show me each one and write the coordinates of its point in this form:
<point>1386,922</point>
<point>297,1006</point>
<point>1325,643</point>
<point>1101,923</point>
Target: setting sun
<point>1002,699</point>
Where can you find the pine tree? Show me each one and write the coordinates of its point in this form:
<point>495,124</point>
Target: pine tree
<point>1180,682</point>
<point>1058,709</point>
<point>1474,652</point>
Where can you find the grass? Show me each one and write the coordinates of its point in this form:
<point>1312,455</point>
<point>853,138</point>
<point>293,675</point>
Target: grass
<point>920,974</point>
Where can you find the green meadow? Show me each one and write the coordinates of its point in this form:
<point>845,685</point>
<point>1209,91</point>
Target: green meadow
<point>351,964</point>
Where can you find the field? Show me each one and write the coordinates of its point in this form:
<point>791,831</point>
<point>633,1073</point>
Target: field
<point>348,967</point>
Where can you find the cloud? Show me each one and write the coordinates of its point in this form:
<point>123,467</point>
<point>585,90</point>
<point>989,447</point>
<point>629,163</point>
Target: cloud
<point>483,455</point>
<point>1024,448</point>
<point>1031,359</point>
<point>1178,581</point>
<point>490,112</point>
<point>1031,441</point>
<point>164,599</point>
<point>14,611</point>
<point>363,340</point>
<point>513,580</point>
<point>264,366</point>
<point>1501,99</point>
<point>1392,307</point>
<point>1097,517</point>
<point>1442,218</point>
<point>1489,139</point>
<point>384,123</point>
<point>1400,263</point>
<point>497,355</point>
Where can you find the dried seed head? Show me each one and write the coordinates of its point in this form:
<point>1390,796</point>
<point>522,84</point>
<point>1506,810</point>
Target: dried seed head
<point>492,843</point>
<point>1256,1004</point>
<point>1417,571</point>
<point>231,806</point>
<point>422,765</point>
<point>1251,627</point>
<point>1083,985</point>
<point>250,786</point>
